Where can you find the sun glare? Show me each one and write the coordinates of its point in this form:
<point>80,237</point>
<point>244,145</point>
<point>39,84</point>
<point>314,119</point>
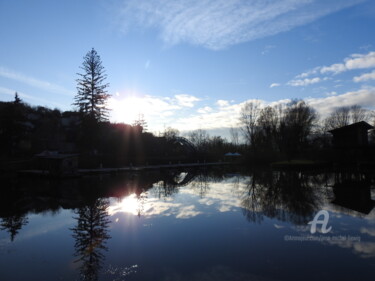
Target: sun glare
<point>129,204</point>
<point>126,110</point>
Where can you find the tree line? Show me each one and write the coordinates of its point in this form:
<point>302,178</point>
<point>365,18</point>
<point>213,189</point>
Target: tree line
<point>290,130</point>
<point>284,131</point>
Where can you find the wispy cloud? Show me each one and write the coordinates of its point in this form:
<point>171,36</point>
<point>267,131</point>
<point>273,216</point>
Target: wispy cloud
<point>303,82</point>
<point>222,103</point>
<point>273,85</point>
<point>354,61</point>
<point>31,81</point>
<point>365,77</point>
<point>217,24</point>
<point>204,110</point>
<point>186,100</point>
<point>267,49</point>
<point>11,92</point>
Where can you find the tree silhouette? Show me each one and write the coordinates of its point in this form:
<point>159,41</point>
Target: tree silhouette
<point>295,127</point>
<point>13,224</point>
<point>249,115</point>
<point>17,99</point>
<point>91,234</point>
<point>140,122</point>
<point>91,98</point>
<point>345,115</point>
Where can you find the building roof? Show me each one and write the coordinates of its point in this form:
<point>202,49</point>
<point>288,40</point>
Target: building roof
<point>361,124</point>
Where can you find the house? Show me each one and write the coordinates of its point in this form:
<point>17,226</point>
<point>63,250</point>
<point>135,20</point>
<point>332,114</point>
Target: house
<point>351,136</point>
<point>55,164</point>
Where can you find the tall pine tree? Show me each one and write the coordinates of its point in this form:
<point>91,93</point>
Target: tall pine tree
<point>92,96</point>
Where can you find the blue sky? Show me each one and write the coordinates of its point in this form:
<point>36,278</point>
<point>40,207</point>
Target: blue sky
<point>191,64</point>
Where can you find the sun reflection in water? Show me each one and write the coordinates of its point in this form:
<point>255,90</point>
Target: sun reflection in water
<point>133,204</point>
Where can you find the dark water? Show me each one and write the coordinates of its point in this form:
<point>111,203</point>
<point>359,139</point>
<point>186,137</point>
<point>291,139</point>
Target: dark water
<point>189,225</point>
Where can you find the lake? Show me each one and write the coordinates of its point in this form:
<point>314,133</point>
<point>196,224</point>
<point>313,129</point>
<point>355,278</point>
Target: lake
<point>190,225</point>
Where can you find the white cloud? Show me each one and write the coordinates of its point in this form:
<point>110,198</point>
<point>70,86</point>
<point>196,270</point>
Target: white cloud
<point>222,23</point>
<point>308,73</point>
<point>333,93</point>
<point>354,61</point>
<point>169,111</point>
<point>304,82</point>
<point>204,110</point>
<point>186,100</point>
<point>362,97</point>
<point>222,103</point>
<point>187,212</point>
<point>31,81</point>
<point>359,61</point>
<point>334,68</point>
<point>365,77</point>
<point>275,85</point>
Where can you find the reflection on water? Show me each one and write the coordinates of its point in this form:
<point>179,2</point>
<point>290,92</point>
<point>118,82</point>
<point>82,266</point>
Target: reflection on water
<point>90,236</point>
<point>188,225</point>
<point>13,223</point>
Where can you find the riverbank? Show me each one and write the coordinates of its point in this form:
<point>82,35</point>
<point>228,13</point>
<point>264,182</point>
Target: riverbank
<point>98,171</point>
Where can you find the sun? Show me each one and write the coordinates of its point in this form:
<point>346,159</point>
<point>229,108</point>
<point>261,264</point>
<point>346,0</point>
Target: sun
<point>126,110</point>
<point>129,204</point>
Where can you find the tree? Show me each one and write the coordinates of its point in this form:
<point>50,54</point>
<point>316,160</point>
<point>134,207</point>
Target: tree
<point>140,122</point>
<point>248,119</point>
<point>345,115</point>
<point>268,122</point>
<point>295,126</point>
<point>170,133</point>
<point>92,96</point>
<point>199,138</point>
<point>17,99</point>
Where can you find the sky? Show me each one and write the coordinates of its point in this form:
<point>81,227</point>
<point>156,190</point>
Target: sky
<point>191,64</point>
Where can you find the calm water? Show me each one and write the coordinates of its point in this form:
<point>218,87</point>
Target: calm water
<point>189,225</point>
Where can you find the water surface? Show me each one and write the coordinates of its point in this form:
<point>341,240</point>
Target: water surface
<point>189,225</point>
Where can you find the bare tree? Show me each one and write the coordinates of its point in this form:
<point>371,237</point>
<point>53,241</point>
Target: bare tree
<point>170,133</point>
<point>199,138</point>
<point>248,119</point>
<point>268,123</point>
<point>295,126</point>
<point>345,115</point>
<point>359,114</point>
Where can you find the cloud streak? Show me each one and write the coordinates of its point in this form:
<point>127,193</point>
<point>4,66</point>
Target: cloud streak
<point>365,77</point>
<point>10,92</point>
<point>221,23</point>
<point>273,85</point>
<point>31,81</point>
<point>353,62</point>
<point>304,82</point>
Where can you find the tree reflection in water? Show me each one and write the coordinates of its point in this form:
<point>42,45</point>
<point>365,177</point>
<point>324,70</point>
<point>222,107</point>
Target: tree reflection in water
<point>13,224</point>
<point>285,195</point>
<point>91,234</point>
